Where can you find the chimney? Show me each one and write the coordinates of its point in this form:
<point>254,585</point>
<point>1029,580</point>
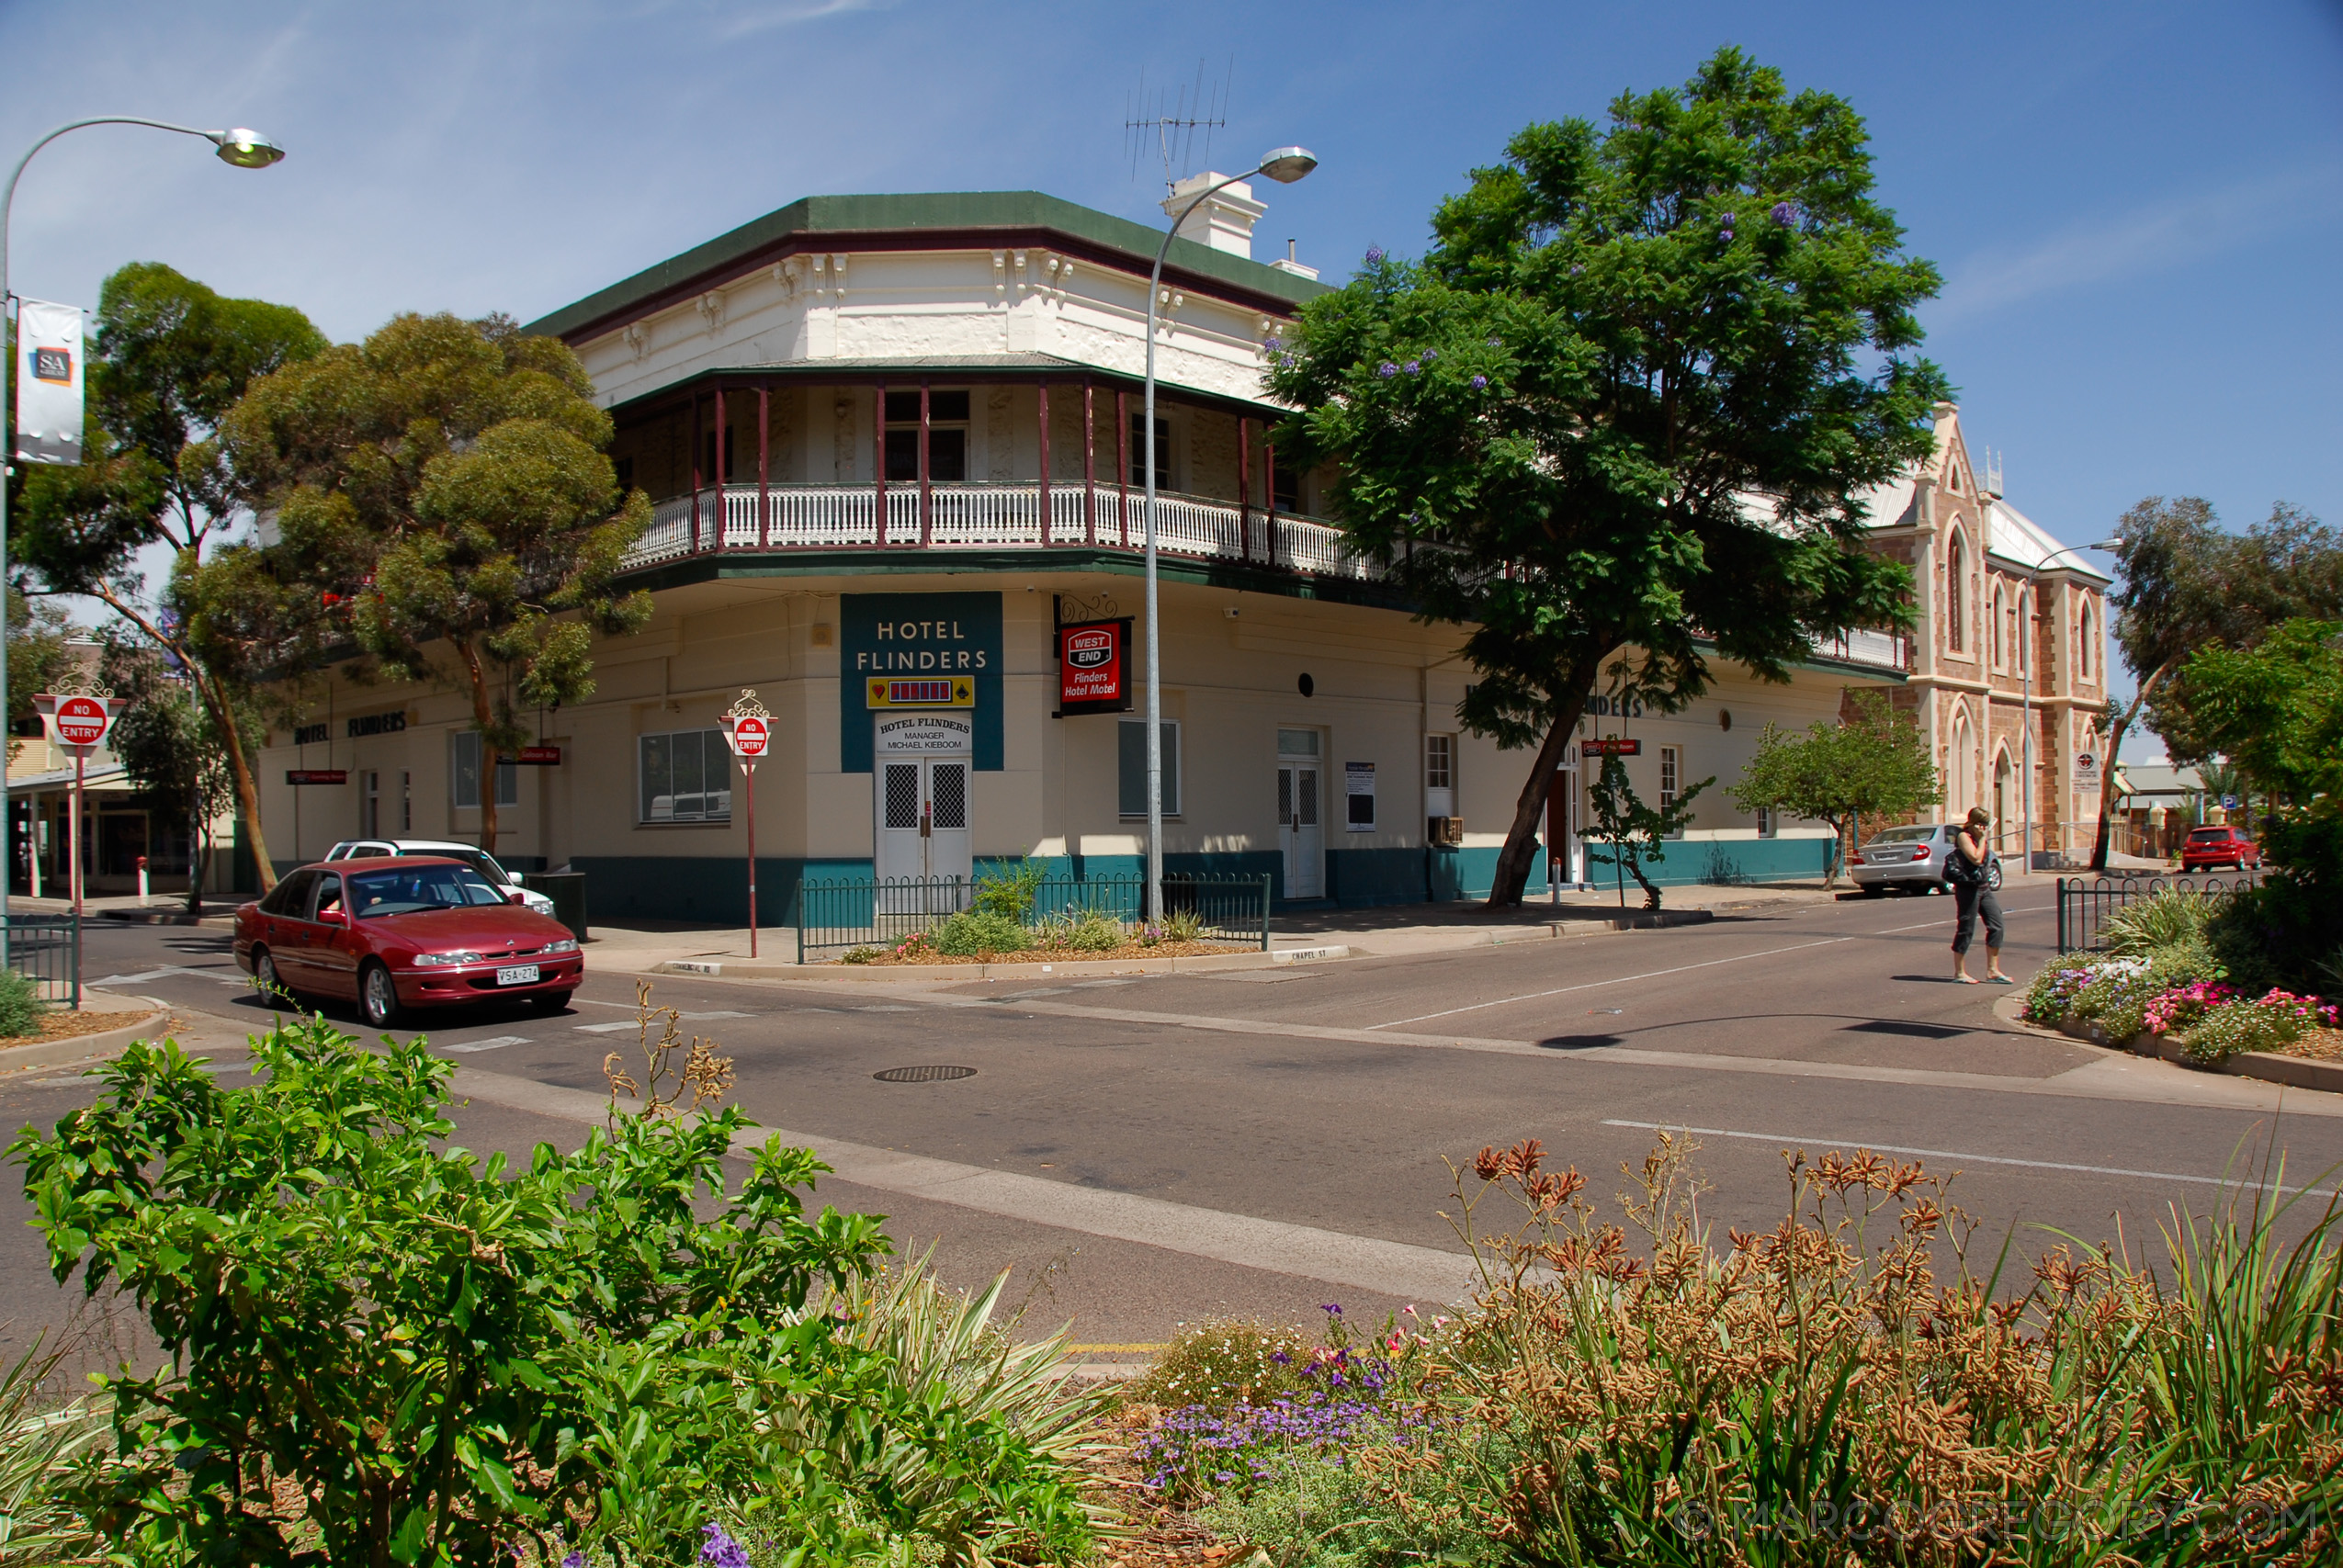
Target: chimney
<point>1224,221</point>
<point>1287,264</point>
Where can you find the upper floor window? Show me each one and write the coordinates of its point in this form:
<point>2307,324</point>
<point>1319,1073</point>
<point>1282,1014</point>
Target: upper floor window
<point>2083,654</point>
<point>1998,609</point>
<point>947,436</point>
<point>1163,451</point>
<point>1956,570</point>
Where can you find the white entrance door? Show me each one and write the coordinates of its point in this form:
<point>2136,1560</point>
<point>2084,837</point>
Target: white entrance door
<point>922,810</point>
<point>1300,832</point>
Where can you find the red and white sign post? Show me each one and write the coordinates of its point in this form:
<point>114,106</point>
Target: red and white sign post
<point>78,725</point>
<point>748,729</point>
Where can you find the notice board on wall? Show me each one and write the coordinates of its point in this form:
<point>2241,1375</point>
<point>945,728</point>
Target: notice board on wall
<point>1358,789</point>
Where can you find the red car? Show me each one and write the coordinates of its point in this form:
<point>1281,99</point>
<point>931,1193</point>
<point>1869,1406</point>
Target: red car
<point>405,932</point>
<point>2210,847</point>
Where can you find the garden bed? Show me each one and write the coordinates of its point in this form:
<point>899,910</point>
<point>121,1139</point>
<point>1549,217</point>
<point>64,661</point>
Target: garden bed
<point>62,1023</point>
<point>1121,952</point>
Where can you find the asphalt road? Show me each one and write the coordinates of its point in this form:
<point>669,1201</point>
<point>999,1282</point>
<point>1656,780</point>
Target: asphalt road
<point>1145,1151</point>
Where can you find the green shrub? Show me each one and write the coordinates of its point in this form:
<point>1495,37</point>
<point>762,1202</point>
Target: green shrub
<point>1375,1504</point>
<point>41,1443</point>
<point>20,1004</point>
<point>2165,918</point>
<point>1217,1363</point>
<point>974,931</point>
<point>1084,930</point>
<point>1009,891</point>
<point>1183,925</point>
<point>863,954</point>
<point>385,1348</point>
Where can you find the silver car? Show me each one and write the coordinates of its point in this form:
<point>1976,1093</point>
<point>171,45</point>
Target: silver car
<point>1910,858</point>
<point>470,854</point>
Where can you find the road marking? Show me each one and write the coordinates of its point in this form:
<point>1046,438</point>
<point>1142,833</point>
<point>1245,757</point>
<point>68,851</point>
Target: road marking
<point>694,1017</point>
<point>2035,910</point>
<point>496,1045</point>
<point>1952,1154</point>
<point>1370,1263</point>
<point>603,1027</point>
<point>1613,980</point>
<point>218,974</point>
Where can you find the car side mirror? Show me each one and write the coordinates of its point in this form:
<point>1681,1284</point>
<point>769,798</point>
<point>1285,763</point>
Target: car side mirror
<point>516,899</point>
<point>334,917</point>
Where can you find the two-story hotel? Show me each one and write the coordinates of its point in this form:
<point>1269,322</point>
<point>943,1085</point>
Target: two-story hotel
<point>894,444</point>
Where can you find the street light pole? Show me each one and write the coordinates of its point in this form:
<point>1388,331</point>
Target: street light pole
<point>245,150</point>
<point>1284,165</point>
<point>2026,679</point>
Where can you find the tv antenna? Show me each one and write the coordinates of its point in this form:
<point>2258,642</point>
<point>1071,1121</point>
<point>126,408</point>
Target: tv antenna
<point>1167,118</point>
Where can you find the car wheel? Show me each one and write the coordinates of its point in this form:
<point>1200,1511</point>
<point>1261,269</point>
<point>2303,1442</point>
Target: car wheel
<point>270,983</point>
<point>379,996</point>
<point>1936,888</point>
<point>549,1002</point>
<point>1993,875</point>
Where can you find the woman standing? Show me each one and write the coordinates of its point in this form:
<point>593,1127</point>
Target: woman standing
<point>1965,869</point>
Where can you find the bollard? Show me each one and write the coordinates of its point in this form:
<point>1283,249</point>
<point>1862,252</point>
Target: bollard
<point>142,879</point>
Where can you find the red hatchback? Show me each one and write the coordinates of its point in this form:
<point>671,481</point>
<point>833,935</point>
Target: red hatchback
<point>2210,847</point>
<point>405,932</point>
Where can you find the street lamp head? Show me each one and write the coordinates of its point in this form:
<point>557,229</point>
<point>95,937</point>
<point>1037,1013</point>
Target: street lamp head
<point>1287,165</point>
<point>247,149</point>
<point>2106,544</point>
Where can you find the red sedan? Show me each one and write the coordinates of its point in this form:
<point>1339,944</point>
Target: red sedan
<point>406,931</point>
<point>2210,847</point>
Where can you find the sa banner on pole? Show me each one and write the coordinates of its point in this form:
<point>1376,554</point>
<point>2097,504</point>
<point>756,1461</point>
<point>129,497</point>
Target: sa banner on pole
<point>49,378</point>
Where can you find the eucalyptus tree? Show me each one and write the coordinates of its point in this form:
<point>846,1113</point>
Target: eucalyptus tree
<point>171,357</point>
<point>445,484</point>
<point>1630,401</point>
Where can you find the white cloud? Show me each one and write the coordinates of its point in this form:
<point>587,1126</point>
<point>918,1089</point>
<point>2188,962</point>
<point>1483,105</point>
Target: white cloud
<point>2162,234</point>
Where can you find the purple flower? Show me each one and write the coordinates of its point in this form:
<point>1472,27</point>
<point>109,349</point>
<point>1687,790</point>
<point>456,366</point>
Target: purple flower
<point>1387,370</point>
<point>1415,367</point>
<point>1728,222</point>
<point>1334,1307</point>
<point>1479,383</point>
<point>575,1560</point>
<point>1375,255</point>
<point>1429,355</point>
<point>1494,343</point>
<point>1282,1358</point>
<point>722,1551</point>
<point>1786,212</point>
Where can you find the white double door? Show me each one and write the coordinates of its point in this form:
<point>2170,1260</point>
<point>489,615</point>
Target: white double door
<point>922,812</point>
<point>1301,828</point>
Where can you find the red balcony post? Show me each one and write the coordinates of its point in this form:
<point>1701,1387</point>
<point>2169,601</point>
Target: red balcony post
<point>1244,488</point>
<point>764,464</point>
<point>1123,465</point>
<point>879,455</point>
<point>1090,463</point>
<point>695,476</point>
<point>927,500</point>
<point>1269,472</point>
<point>721,508</point>
<point>1042,390</point>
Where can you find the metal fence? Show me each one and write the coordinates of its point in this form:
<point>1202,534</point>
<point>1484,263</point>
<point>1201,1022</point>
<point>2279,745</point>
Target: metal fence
<point>2085,906</point>
<point>834,917</point>
<point>47,949</point>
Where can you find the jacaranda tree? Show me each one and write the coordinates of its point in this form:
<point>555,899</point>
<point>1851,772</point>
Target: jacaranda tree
<point>1629,402</point>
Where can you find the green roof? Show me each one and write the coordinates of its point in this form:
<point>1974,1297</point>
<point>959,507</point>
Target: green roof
<point>1004,210</point>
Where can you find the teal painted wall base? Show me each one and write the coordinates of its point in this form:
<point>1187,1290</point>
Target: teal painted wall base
<point>620,888</point>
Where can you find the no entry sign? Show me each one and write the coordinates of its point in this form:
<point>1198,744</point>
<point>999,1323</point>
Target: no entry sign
<point>77,723</point>
<point>750,736</point>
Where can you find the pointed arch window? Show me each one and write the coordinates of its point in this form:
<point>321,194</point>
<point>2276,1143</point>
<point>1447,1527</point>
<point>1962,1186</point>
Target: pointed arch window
<point>2083,652</point>
<point>1956,569</point>
<point>1994,640</point>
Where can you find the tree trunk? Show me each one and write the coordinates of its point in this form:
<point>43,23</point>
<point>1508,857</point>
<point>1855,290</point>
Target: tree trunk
<point>2106,765</point>
<point>1521,841</point>
<point>484,720</point>
<point>247,786</point>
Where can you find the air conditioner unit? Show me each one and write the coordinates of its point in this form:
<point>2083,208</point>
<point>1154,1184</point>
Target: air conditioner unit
<point>1444,831</point>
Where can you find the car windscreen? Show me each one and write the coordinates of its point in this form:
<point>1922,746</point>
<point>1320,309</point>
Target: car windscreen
<point>1905,836</point>
<point>407,889</point>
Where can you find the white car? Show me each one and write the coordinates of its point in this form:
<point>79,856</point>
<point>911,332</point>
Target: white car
<point>471,855</point>
<point>1912,859</point>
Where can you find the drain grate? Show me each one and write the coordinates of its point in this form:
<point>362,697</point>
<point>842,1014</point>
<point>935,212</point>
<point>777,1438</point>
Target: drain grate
<point>924,1075</point>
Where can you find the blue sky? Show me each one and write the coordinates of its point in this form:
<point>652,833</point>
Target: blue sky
<point>2138,208</point>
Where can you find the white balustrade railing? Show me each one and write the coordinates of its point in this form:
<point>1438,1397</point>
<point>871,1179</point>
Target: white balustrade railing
<point>1008,516</point>
<point>987,516</point>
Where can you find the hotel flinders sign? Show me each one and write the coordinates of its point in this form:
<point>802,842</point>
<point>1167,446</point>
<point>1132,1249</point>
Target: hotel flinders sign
<point>903,653</point>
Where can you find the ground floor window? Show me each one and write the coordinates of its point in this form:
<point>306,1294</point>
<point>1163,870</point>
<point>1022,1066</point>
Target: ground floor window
<point>1672,774</point>
<point>1131,768</point>
<point>685,775</point>
<point>464,789</point>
